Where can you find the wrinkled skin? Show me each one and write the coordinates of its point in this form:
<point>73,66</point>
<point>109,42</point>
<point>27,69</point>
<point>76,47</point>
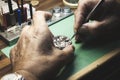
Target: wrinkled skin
<point>34,56</point>
<point>105,22</point>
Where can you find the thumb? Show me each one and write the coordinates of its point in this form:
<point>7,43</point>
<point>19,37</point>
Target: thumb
<point>90,27</point>
<point>69,50</point>
<point>39,18</point>
<point>89,30</point>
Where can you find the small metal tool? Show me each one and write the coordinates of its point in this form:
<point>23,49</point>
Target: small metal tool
<point>90,14</point>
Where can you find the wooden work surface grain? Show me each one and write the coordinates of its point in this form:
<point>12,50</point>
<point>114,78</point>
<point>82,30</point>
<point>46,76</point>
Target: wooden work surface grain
<point>43,5</point>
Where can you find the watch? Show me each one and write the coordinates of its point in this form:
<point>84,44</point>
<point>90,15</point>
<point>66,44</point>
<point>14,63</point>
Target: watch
<point>61,41</point>
<point>13,76</point>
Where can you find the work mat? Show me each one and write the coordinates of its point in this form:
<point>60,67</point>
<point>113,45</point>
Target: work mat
<point>84,54</point>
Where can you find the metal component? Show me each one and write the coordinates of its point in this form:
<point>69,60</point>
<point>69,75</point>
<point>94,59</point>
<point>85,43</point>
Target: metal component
<point>57,12</point>
<point>73,36</point>
<point>57,9</point>
<point>66,9</point>
<point>61,41</point>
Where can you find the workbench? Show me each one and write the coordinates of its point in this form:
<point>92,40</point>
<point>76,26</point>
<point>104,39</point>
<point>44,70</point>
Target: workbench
<point>92,62</point>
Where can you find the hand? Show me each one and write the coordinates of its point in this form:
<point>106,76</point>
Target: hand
<point>34,56</point>
<point>105,22</point>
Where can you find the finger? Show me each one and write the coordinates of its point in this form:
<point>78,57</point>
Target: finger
<point>69,54</point>
<point>39,20</point>
<point>13,55</point>
<point>99,28</point>
<point>88,30</point>
<point>69,50</point>
<point>39,25</point>
<point>78,20</point>
<point>82,11</point>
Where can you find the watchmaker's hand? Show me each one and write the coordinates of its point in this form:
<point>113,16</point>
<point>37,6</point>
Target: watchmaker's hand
<point>34,56</point>
<point>105,22</point>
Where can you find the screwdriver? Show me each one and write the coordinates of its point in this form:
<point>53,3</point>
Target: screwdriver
<point>90,15</point>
